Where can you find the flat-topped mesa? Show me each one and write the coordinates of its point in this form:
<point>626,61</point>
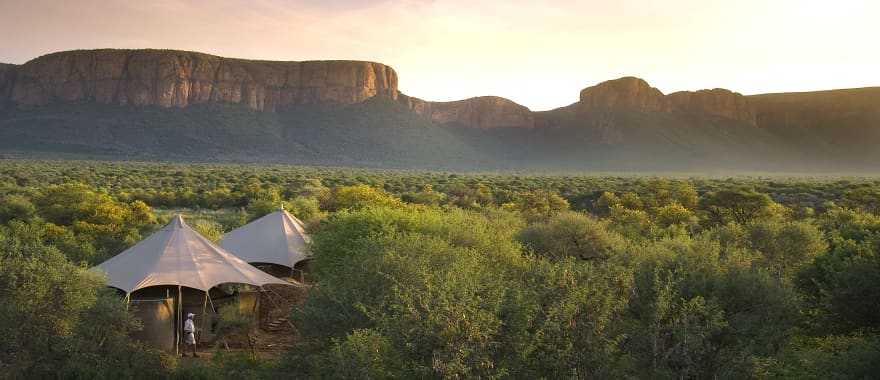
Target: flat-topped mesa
<point>483,112</point>
<point>816,108</point>
<point>169,78</point>
<point>717,102</point>
<point>623,94</point>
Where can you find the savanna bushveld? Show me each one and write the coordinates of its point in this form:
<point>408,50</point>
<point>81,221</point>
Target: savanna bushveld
<point>445,275</point>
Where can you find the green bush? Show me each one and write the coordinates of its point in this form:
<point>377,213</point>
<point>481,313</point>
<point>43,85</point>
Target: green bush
<point>574,235</point>
<point>59,320</point>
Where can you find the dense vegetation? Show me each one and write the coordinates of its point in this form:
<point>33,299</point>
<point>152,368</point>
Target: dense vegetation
<point>436,275</point>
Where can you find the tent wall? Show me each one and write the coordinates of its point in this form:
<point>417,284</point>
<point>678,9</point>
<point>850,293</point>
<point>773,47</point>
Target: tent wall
<point>158,321</point>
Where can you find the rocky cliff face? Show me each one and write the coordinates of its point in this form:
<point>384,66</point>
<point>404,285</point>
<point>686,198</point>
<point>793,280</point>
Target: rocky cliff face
<point>634,94</point>
<point>627,93</point>
<point>717,102</point>
<point>169,78</point>
<point>810,109</point>
<point>484,112</point>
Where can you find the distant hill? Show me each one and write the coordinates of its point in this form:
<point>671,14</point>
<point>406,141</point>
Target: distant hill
<point>840,128</point>
<point>173,105</point>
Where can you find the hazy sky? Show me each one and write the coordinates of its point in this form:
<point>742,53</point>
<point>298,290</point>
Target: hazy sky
<point>540,54</point>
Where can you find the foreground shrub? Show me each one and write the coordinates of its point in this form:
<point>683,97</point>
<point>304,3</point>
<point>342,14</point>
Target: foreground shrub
<point>58,320</point>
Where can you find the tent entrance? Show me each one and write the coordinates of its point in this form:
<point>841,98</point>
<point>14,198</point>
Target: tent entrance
<point>157,308</point>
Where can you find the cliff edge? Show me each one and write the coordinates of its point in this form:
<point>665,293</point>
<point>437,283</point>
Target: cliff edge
<point>169,78</point>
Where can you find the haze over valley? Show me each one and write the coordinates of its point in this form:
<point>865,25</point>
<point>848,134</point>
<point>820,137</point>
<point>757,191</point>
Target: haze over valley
<point>188,106</point>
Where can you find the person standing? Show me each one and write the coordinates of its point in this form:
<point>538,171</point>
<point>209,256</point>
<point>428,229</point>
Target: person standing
<point>189,332</point>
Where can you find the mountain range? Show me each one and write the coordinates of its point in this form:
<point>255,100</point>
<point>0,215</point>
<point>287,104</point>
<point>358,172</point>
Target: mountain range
<point>178,105</point>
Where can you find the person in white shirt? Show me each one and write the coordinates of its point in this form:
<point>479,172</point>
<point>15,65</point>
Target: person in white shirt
<point>189,334</point>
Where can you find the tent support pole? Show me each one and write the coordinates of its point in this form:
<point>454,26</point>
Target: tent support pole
<point>211,302</point>
<point>204,310</point>
<point>127,300</point>
<point>177,325</point>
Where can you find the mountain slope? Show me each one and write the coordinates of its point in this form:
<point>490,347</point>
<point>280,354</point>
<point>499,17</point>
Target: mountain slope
<point>375,133</point>
<point>838,127</point>
<point>173,105</point>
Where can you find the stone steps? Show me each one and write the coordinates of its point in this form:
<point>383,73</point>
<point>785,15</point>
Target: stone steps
<point>278,324</point>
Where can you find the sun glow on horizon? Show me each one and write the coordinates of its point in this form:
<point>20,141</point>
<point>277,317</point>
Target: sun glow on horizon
<point>540,56</point>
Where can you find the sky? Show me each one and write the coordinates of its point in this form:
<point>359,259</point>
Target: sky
<point>539,54</point>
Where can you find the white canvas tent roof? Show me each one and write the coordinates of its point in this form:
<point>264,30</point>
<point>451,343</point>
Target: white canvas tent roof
<point>277,238</point>
<point>178,255</point>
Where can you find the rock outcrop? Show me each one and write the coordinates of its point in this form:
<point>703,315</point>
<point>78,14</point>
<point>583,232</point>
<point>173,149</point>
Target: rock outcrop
<point>623,94</point>
<point>634,94</point>
<point>169,78</point>
<point>484,112</point>
<point>717,102</point>
<point>812,109</point>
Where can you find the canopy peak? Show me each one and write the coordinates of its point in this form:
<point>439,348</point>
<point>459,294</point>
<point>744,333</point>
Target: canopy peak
<point>177,222</point>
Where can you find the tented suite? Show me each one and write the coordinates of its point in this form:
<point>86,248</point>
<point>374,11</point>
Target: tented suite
<point>276,242</point>
<point>176,271</point>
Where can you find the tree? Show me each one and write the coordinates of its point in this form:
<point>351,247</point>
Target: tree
<point>635,225</point>
<point>141,214</point>
<point>698,313</point>
<point>605,203</point>
<point>420,278</point>
<point>631,200</point>
<point>565,319</point>
<point>16,207</point>
<point>362,354</point>
<point>674,214</point>
<point>865,198</point>
<point>314,188</point>
<point>680,330</point>
<point>58,320</point>
<point>572,234</point>
<point>540,204</point>
<point>307,209</point>
<point>470,196</point>
<point>786,246</point>
<point>424,293</point>
<point>427,196</point>
<point>739,206</point>
<point>212,230</point>
<point>110,225</point>
<point>841,284</point>
<point>662,192</point>
<point>360,196</point>
<point>218,197</point>
<point>263,201</point>
<point>827,357</point>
